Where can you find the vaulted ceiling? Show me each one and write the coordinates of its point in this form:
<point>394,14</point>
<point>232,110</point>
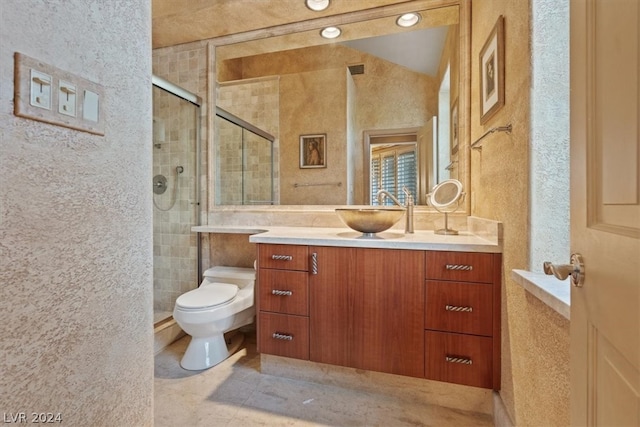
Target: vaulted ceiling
<point>183,21</point>
<point>179,21</point>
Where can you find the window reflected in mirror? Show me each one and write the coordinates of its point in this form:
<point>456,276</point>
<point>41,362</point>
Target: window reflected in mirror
<point>394,166</point>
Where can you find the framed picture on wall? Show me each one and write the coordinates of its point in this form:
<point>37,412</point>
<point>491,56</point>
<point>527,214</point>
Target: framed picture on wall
<point>492,72</point>
<point>313,151</point>
<point>453,132</point>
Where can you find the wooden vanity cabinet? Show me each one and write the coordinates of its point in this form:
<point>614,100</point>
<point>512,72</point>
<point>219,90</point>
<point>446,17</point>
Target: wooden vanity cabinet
<point>462,318</point>
<point>331,301</point>
<point>283,301</point>
<point>366,309</point>
<point>418,313</point>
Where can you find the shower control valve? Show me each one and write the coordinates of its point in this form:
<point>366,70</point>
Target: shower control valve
<point>159,184</point>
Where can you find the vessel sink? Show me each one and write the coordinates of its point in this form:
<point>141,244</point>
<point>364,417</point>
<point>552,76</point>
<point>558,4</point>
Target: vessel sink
<point>370,219</point>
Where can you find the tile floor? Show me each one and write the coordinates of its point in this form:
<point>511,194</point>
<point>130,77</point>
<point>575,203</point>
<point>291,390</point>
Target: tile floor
<point>236,393</point>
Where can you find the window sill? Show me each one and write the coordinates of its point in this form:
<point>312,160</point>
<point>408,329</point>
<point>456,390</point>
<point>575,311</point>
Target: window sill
<point>551,291</point>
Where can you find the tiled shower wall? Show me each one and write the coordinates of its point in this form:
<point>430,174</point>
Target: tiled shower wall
<point>175,246</point>
<point>175,211</point>
<point>258,170</point>
<point>229,165</point>
<point>257,102</point>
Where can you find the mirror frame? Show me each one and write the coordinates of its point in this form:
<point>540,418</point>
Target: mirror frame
<point>464,89</point>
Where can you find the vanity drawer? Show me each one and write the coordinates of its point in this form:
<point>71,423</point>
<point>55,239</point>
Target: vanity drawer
<point>283,257</point>
<point>460,266</point>
<point>459,307</point>
<point>460,359</point>
<point>284,335</point>
<point>284,291</point>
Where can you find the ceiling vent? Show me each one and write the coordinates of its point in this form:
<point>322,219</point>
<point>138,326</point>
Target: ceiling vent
<point>356,69</point>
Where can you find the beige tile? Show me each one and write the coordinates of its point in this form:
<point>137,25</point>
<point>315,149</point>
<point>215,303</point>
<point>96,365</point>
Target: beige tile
<point>236,393</point>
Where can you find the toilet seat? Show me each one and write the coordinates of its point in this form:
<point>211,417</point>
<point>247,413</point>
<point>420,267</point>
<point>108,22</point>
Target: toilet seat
<point>208,296</point>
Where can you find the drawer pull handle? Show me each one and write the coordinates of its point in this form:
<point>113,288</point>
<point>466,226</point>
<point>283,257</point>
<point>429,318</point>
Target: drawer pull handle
<point>285,337</point>
<point>282,257</point>
<point>457,359</point>
<point>458,308</point>
<point>314,263</point>
<point>459,267</point>
<point>281,293</point>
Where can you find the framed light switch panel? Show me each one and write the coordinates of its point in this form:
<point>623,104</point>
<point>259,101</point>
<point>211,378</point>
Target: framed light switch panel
<point>48,94</point>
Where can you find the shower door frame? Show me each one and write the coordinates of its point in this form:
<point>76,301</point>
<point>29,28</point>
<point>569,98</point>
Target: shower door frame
<point>244,126</point>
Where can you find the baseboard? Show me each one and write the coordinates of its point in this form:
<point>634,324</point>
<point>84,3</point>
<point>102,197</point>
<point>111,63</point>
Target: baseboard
<point>164,334</point>
<point>501,417</point>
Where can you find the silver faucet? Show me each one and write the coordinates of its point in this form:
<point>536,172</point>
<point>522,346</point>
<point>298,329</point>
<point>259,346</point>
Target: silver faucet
<point>381,194</point>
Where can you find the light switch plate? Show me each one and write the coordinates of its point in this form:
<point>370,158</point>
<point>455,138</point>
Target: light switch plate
<point>40,89</point>
<point>62,111</point>
<point>91,106</point>
<point>67,98</point>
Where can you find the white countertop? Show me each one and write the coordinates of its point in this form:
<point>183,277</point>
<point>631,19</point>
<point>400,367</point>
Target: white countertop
<point>345,237</point>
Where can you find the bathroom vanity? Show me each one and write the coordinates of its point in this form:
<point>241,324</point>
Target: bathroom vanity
<point>417,305</point>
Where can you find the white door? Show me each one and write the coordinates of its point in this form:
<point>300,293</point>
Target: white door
<point>605,212</point>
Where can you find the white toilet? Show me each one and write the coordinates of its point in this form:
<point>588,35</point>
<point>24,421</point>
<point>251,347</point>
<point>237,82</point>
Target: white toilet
<point>223,302</point>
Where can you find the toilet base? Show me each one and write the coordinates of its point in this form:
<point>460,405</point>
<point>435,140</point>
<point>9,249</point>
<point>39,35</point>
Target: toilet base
<point>204,353</point>
<point>234,342</point>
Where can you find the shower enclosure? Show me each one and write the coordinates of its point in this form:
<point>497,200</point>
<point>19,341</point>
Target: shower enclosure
<point>244,162</point>
<point>176,171</point>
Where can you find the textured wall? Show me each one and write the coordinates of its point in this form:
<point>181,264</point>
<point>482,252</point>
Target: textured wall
<point>535,339</point>
<point>311,103</point>
<point>549,134</point>
<point>75,221</point>
<point>354,152</point>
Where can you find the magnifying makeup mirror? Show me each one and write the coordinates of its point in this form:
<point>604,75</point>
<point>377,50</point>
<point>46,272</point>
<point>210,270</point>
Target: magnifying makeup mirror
<point>446,198</point>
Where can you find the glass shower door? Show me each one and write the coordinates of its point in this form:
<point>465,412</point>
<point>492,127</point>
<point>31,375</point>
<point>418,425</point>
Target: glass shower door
<point>175,200</point>
<point>244,163</point>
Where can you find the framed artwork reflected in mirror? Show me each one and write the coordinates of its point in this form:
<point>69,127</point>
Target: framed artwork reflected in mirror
<point>313,151</point>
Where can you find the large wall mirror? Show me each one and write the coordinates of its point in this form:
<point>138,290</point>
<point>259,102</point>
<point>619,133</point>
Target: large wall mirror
<point>380,106</point>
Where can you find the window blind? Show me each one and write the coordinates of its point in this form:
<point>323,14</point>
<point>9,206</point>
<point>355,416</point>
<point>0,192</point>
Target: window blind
<point>392,170</point>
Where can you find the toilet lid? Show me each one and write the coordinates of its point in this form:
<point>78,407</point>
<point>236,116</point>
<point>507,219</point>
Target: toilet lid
<point>208,296</point>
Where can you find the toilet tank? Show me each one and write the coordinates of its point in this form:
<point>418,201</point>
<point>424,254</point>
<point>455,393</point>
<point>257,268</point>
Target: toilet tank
<point>235,275</point>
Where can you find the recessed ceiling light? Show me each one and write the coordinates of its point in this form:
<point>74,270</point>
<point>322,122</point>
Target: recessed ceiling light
<point>317,5</point>
<point>330,32</point>
<point>408,19</point>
